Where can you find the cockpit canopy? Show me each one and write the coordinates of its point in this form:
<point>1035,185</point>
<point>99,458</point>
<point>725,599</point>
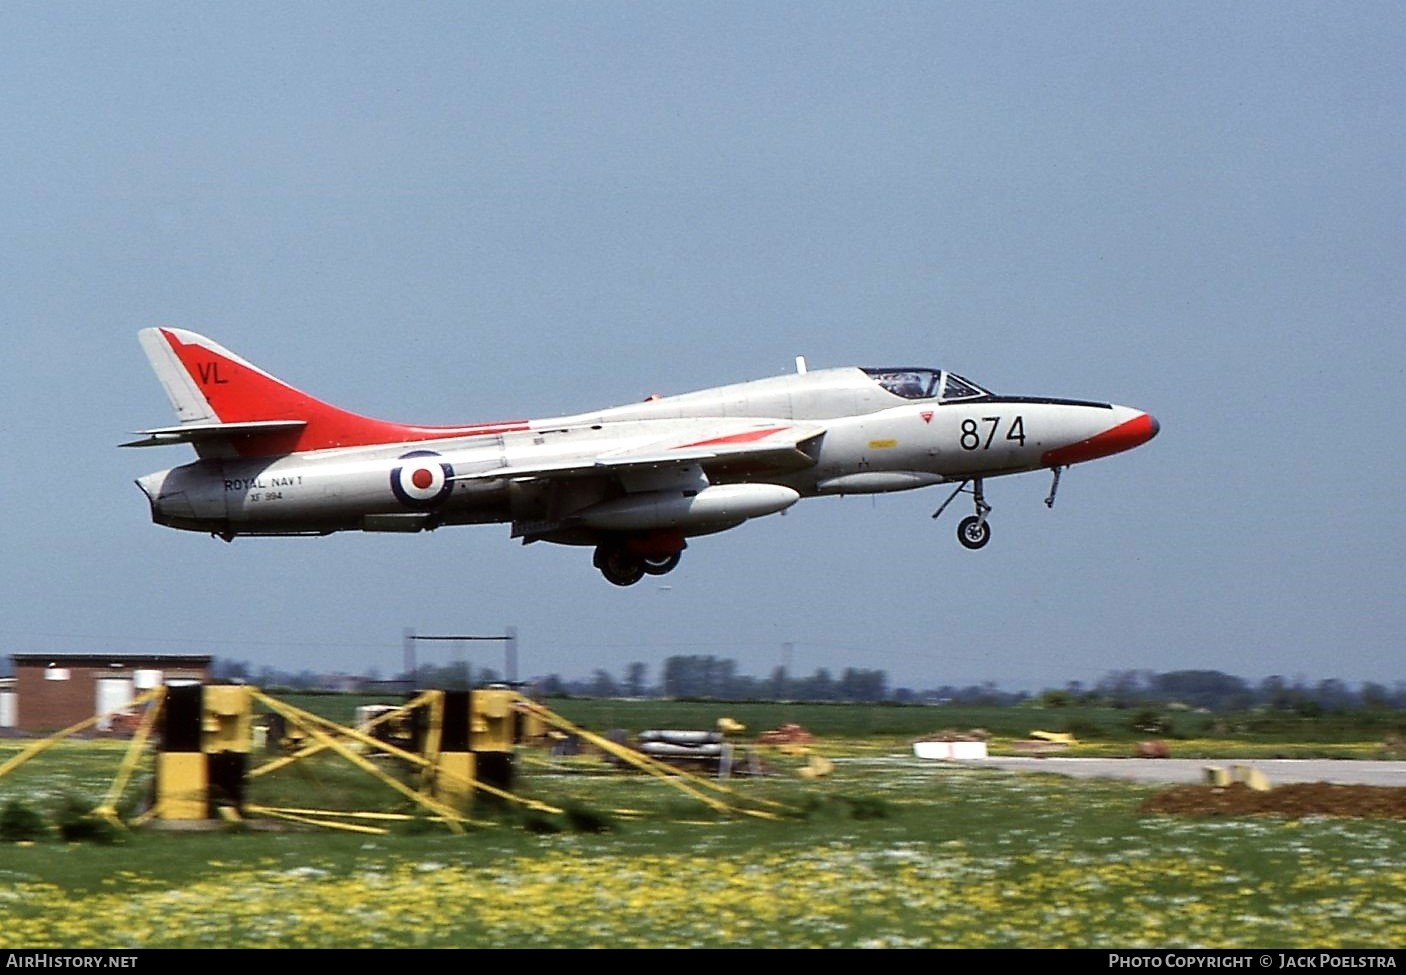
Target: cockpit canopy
<point>921,383</point>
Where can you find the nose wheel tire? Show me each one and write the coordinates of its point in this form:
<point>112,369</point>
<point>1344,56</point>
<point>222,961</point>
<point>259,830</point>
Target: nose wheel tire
<point>973,532</point>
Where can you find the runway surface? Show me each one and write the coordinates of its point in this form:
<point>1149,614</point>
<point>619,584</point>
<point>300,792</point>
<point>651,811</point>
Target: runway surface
<point>1193,770</point>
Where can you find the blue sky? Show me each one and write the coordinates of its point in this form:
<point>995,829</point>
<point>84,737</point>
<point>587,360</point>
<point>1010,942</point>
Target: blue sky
<point>457,212</point>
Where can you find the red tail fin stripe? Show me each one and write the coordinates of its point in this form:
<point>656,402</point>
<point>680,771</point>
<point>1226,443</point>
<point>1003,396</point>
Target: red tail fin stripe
<point>240,392</point>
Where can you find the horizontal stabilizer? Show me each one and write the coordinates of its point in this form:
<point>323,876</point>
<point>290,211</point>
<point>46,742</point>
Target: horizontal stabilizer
<point>198,432</point>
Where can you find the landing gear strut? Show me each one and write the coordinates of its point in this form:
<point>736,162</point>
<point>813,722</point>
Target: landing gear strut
<point>973,531</point>
<point>1054,486</point>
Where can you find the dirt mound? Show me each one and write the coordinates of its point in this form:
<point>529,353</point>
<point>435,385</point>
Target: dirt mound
<point>1292,801</point>
<point>787,734</point>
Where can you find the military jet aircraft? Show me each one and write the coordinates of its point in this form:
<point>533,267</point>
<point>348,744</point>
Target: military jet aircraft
<point>634,482</point>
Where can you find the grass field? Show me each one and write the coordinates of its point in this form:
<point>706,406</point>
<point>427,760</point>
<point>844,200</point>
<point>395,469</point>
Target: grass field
<point>883,850</point>
<point>1100,731</point>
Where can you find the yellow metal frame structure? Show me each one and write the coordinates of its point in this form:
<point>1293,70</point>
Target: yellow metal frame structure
<point>440,774</point>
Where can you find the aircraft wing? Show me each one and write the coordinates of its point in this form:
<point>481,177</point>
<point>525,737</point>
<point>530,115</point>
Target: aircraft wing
<point>754,450</point>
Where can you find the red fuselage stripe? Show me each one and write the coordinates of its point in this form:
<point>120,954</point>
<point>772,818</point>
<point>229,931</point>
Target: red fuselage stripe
<point>749,437</point>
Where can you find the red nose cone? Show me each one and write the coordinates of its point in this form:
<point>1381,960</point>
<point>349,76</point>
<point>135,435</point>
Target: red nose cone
<point>1125,436</point>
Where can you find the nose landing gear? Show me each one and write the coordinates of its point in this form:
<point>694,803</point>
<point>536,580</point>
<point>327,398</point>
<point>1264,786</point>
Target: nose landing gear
<point>973,531</point>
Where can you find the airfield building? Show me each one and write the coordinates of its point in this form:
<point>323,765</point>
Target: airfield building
<point>51,692</point>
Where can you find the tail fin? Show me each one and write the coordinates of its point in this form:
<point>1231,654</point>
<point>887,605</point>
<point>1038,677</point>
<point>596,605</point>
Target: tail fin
<point>230,407</point>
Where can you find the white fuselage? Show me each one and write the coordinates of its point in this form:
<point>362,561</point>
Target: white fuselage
<point>866,440</point>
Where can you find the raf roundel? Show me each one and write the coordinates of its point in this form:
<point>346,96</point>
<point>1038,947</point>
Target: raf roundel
<point>423,481</point>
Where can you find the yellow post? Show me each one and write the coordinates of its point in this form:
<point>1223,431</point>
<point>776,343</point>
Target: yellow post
<point>1216,776</point>
<point>491,720</point>
<point>455,778</point>
<point>184,788</point>
<point>1251,777</point>
<point>228,723</point>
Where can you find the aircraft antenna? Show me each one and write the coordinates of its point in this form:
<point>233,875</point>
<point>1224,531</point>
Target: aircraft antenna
<point>801,365</point>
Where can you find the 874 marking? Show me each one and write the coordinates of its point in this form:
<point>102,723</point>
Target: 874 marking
<point>972,438</point>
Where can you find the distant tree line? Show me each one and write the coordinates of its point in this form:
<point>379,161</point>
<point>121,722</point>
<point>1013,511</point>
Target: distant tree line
<point>717,678</point>
<point>1215,691</point>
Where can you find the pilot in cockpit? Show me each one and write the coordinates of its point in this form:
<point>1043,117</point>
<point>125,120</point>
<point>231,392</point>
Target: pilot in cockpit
<point>909,385</point>
<point>903,384</point>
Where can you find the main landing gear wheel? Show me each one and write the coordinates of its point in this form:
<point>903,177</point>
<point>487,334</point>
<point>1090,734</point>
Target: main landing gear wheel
<point>626,559</point>
<point>657,565</point>
<point>619,565</point>
<point>974,531</point>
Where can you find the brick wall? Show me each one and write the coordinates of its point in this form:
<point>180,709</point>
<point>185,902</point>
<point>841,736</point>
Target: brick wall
<point>46,705</point>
